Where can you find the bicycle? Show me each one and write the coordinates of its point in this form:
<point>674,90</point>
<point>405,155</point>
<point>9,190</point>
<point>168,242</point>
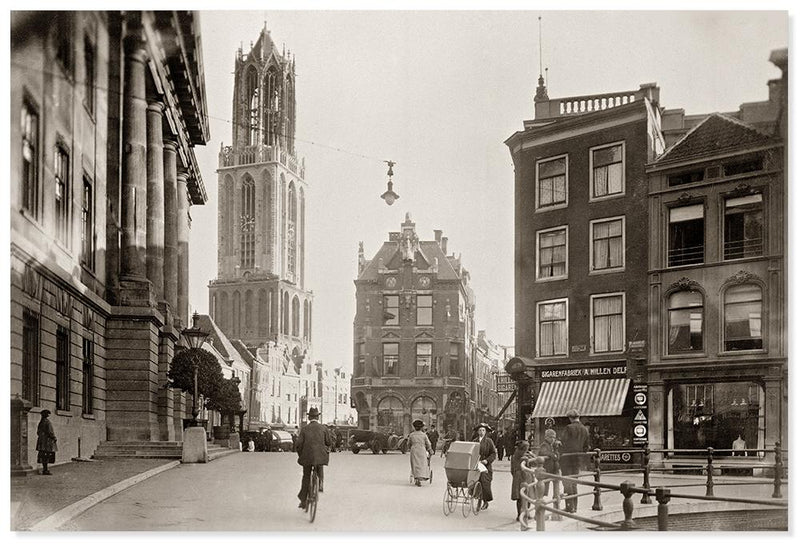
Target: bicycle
<point>313,495</point>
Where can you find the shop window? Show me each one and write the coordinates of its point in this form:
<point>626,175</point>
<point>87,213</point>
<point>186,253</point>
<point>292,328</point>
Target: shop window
<point>744,227</point>
<point>743,317</point>
<point>29,120</point>
<point>551,318</point>
<point>608,244</point>
<point>390,414</point>
<point>608,323</point>
<point>608,170</point>
<point>425,310</point>
<point>62,368</point>
<point>717,415</point>
<point>424,409</point>
<point>424,359</point>
<point>685,322</point>
<point>686,235</point>
<point>391,359</point>
<point>391,310</point>
<point>551,182</point>
<point>551,254</point>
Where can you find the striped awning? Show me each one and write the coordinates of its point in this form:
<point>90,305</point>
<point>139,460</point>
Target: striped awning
<point>592,398</point>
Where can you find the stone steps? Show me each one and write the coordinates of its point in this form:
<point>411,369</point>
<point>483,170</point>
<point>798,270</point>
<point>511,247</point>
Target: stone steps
<point>150,450</point>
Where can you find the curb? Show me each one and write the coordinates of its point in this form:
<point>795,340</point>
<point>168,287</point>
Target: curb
<point>72,511</point>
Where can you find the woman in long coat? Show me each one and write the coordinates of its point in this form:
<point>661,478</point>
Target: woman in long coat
<point>518,475</point>
<point>420,449</point>
<point>488,453</point>
<point>46,443</point>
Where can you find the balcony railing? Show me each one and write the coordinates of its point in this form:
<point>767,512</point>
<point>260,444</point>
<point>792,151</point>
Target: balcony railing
<point>582,104</point>
<point>255,154</point>
<point>686,255</point>
<point>739,249</point>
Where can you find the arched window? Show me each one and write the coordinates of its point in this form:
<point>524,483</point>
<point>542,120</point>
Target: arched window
<point>248,309</point>
<point>305,319</point>
<point>263,312</point>
<point>424,409</point>
<point>291,237</point>
<point>285,309</point>
<point>272,107</point>
<point>390,414</point>
<point>251,91</point>
<point>685,322</point>
<point>301,242</point>
<point>290,115</point>
<point>295,316</point>
<point>223,313</point>
<point>247,249</point>
<point>272,318</point>
<point>283,199</point>
<point>236,323</point>
<point>743,308</point>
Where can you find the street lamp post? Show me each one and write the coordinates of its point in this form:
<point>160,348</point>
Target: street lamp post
<point>338,372</point>
<point>196,337</point>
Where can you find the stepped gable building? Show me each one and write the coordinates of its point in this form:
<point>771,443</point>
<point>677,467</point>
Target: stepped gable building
<point>717,361</point>
<point>581,258</point>
<point>413,336</point>
<point>106,111</point>
<point>259,295</point>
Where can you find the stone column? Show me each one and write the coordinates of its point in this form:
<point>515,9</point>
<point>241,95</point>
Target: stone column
<point>134,176</point>
<point>183,248</point>
<point>171,224</point>
<point>155,199</point>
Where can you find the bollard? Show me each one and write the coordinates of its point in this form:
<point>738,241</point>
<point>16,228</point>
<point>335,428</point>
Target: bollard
<point>662,496</point>
<point>556,495</point>
<point>626,488</point>
<point>646,473</point>
<point>710,473</point>
<point>597,504</point>
<point>778,472</point>
<point>522,518</point>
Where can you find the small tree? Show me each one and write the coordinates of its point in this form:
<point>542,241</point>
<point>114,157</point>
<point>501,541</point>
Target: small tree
<point>227,399</point>
<point>209,372</point>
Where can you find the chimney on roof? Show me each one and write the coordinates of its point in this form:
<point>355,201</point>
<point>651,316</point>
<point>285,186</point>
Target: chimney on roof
<point>437,235</point>
<point>651,92</point>
<point>443,245</point>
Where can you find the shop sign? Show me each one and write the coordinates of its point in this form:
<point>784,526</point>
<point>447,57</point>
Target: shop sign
<point>639,414</point>
<point>505,384</point>
<point>615,457</point>
<point>585,373</point>
<point>640,398</point>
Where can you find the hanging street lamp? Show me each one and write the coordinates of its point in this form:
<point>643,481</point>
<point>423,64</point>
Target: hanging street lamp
<point>389,196</point>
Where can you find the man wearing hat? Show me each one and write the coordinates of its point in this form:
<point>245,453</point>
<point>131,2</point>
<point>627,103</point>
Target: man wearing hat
<point>488,453</point>
<point>46,443</point>
<point>313,445</point>
<point>575,440</point>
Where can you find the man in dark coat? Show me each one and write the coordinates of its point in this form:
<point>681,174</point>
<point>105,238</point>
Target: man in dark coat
<point>488,453</point>
<point>313,445</point>
<point>510,440</point>
<point>433,436</point>
<point>550,449</point>
<point>46,443</point>
<point>575,440</point>
<point>501,445</point>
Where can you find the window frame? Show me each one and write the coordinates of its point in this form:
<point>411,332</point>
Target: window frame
<point>594,270</point>
<point>423,308</point>
<point>62,214</point>
<point>30,190</point>
<point>384,362</point>
<point>703,331</point>
<point>88,225</point>
<point>724,323</point>
<point>63,366</point>
<point>31,355</point>
<point>87,399</point>
<point>539,233</point>
<point>592,347</point>
<point>592,197</point>
<point>89,75</point>
<point>724,219</point>
<point>667,248</point>
<point>396,320</point>
<point>537,204</point>
<point>429,355</point>
<point>454,359</point>
<point>539,304</point>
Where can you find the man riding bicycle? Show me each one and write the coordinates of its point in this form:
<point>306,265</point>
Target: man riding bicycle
<point>313,447</point>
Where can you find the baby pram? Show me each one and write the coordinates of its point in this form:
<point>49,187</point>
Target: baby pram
<point>463,487</point>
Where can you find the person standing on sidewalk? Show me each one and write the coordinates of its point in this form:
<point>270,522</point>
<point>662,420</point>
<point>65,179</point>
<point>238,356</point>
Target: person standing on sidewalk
<point>313,445</point>
<point>550,449</point>
<point>519,476</point>
<point>575,440</point>
<point>46,443</point>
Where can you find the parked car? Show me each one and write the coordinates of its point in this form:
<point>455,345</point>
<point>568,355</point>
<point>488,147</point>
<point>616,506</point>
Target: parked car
<point>281,441</point>
<point>376,442</point>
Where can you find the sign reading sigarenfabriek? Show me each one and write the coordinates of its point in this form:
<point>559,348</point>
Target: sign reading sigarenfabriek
<point>584,373</point>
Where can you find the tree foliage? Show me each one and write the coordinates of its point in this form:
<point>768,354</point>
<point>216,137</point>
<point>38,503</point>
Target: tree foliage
<point>209,372</point>
<point>227,400</point>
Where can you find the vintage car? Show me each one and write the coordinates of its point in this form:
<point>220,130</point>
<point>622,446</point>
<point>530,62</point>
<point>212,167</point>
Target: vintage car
<point>376,442</point>
<point>281,441</point>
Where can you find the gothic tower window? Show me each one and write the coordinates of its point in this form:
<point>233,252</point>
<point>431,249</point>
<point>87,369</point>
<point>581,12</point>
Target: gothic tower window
<point>248,221</point>
<point>272,107</point>
<point>301,244</point>
<point>263,311</point>
<point>251,89</point>
<point>248,309</point>
<point>291,239</point>
<point>236,323</point>
<point>290,115</point>
<point>295,317</point>
<point>285,314</point>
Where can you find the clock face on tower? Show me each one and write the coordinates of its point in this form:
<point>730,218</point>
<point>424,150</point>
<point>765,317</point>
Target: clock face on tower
<point>424,281</point>
<point>391,281</point>
<point>247,223</point>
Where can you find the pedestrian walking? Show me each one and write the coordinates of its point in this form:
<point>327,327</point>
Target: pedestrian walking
<point>519,476</point>
<point>501,445</point>
<point>433,436</point>
<point>313,446</point>
<point>46,443</point>
<point>550,449</point>
<point>449,437</point>
<point>487,454</point>
<point>420,451</point>
<point>510,442</point>
<point>575,441</point>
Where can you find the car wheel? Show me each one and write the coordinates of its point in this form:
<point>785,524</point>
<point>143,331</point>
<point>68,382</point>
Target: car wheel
<point>356,450</point>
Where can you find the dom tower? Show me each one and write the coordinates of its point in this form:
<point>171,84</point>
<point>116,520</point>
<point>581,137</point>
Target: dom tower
<point>259,295</point>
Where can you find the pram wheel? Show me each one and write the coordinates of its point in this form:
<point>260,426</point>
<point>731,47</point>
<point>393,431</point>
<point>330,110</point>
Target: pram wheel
<point>449,502</point>
<point>475,492</point>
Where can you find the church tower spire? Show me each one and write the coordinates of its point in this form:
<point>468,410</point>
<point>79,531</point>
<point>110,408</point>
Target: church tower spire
<point>541,89</point>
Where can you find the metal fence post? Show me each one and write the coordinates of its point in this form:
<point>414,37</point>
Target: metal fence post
<point>540,511</point>
<point>662,496</point>
<point>646,473</point>
<point>556,495</point>
<point>777,472</point>
<point>710,473</point>
<point>597,504</point>
<point>626,488</point>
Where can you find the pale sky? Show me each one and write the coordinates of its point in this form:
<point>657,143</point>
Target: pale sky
<point>438,92</point>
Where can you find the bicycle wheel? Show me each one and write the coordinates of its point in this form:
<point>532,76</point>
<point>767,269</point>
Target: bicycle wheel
<point>313,496</point>
<point>475,497</point>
